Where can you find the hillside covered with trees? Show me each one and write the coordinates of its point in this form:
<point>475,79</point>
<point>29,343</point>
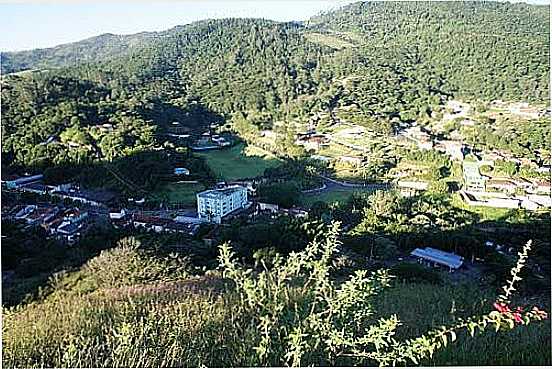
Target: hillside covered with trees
<point>385,60</point>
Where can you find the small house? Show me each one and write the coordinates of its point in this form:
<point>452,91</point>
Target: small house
<point>352,160</point>
<point>19,182</point>
<point>181,171</point>
<point>69,232</point>
<point>117,214</point>
<point>265,207</point>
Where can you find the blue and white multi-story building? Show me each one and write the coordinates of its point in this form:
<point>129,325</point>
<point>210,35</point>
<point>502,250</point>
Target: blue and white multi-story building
<point>213,205</point>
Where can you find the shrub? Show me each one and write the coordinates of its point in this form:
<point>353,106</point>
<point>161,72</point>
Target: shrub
<point>290,313</point>
<point>127,264</point>
<point>284,194</point>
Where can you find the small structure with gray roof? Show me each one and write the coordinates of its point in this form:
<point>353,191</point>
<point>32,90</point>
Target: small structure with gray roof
<point>438,257</point>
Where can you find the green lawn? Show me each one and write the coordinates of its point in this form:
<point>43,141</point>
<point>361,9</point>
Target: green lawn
<point>239,162</point>
<point>334,150</point>
<point>183,193</point>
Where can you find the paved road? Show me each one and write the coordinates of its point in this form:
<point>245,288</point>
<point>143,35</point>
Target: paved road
<point>332,184</point>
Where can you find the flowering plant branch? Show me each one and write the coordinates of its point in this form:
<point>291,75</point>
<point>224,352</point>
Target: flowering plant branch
<point>299,315</point>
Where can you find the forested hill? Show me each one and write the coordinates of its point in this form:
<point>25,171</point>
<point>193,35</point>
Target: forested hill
<point>481,49</point>
<point>386,60</point>
<point>106,46</point>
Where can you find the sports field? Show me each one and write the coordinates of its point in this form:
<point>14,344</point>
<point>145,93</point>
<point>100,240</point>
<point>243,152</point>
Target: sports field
<point>239,162</point>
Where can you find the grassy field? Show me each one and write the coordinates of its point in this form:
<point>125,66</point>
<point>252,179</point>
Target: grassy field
<point>183,193</point>
<point>485,213</point>
<point>422,306</point>
<point>109,315</point>
<point>239,162</point>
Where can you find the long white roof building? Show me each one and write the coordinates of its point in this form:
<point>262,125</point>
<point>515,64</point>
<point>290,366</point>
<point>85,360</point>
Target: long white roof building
<point>448,259</point>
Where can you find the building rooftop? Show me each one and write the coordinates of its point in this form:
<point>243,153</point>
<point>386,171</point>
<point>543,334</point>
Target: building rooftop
<point>27,179</point>
<point>36,186</point>
<point>73,212</point>
<point>97,196</point>
<point>42,213</point>
<point>219,193</point>
<point>441,257</point>
<point>187,227</point>
<point>151,220</point>
<point>69,228</point>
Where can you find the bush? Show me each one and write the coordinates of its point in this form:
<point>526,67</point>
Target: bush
<point>291,313</point>
<point>297,316</point>
<point>127,264</point>
<point>284,194</point>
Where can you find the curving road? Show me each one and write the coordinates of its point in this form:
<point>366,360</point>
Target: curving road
<point>331,184</point>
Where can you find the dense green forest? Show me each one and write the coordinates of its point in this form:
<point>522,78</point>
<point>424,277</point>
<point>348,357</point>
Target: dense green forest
<point>385,60</point>
<point>93,49</point>
<point>473,50</point>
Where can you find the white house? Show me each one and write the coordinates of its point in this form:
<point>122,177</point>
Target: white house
<point>353,160</point>
<point>213,205</point>
<point>181,171</point>
<point>529,205</point>
<point>273,208</point>
<point>22,214</point>
<point>114,214</point>
<point>542,200</point>
<point>149,223</point>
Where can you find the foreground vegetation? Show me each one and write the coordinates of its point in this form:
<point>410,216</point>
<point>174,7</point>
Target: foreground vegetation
<point>125,308</point>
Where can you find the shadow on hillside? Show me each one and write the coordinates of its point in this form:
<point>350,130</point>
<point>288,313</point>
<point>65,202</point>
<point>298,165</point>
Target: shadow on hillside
<point>511,232</point>
<point>35,261</point>
<point>134,175</point>
<point>195,118</point>
<point>239,162</point>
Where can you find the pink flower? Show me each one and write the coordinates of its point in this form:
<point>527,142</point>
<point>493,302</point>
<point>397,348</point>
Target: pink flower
<point>541,313</point>
<point>517,317</point>
<point>501,307</point>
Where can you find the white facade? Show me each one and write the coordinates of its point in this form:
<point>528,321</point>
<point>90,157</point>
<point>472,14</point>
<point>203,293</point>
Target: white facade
<point>117,214</point>
<point>212,205</point>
